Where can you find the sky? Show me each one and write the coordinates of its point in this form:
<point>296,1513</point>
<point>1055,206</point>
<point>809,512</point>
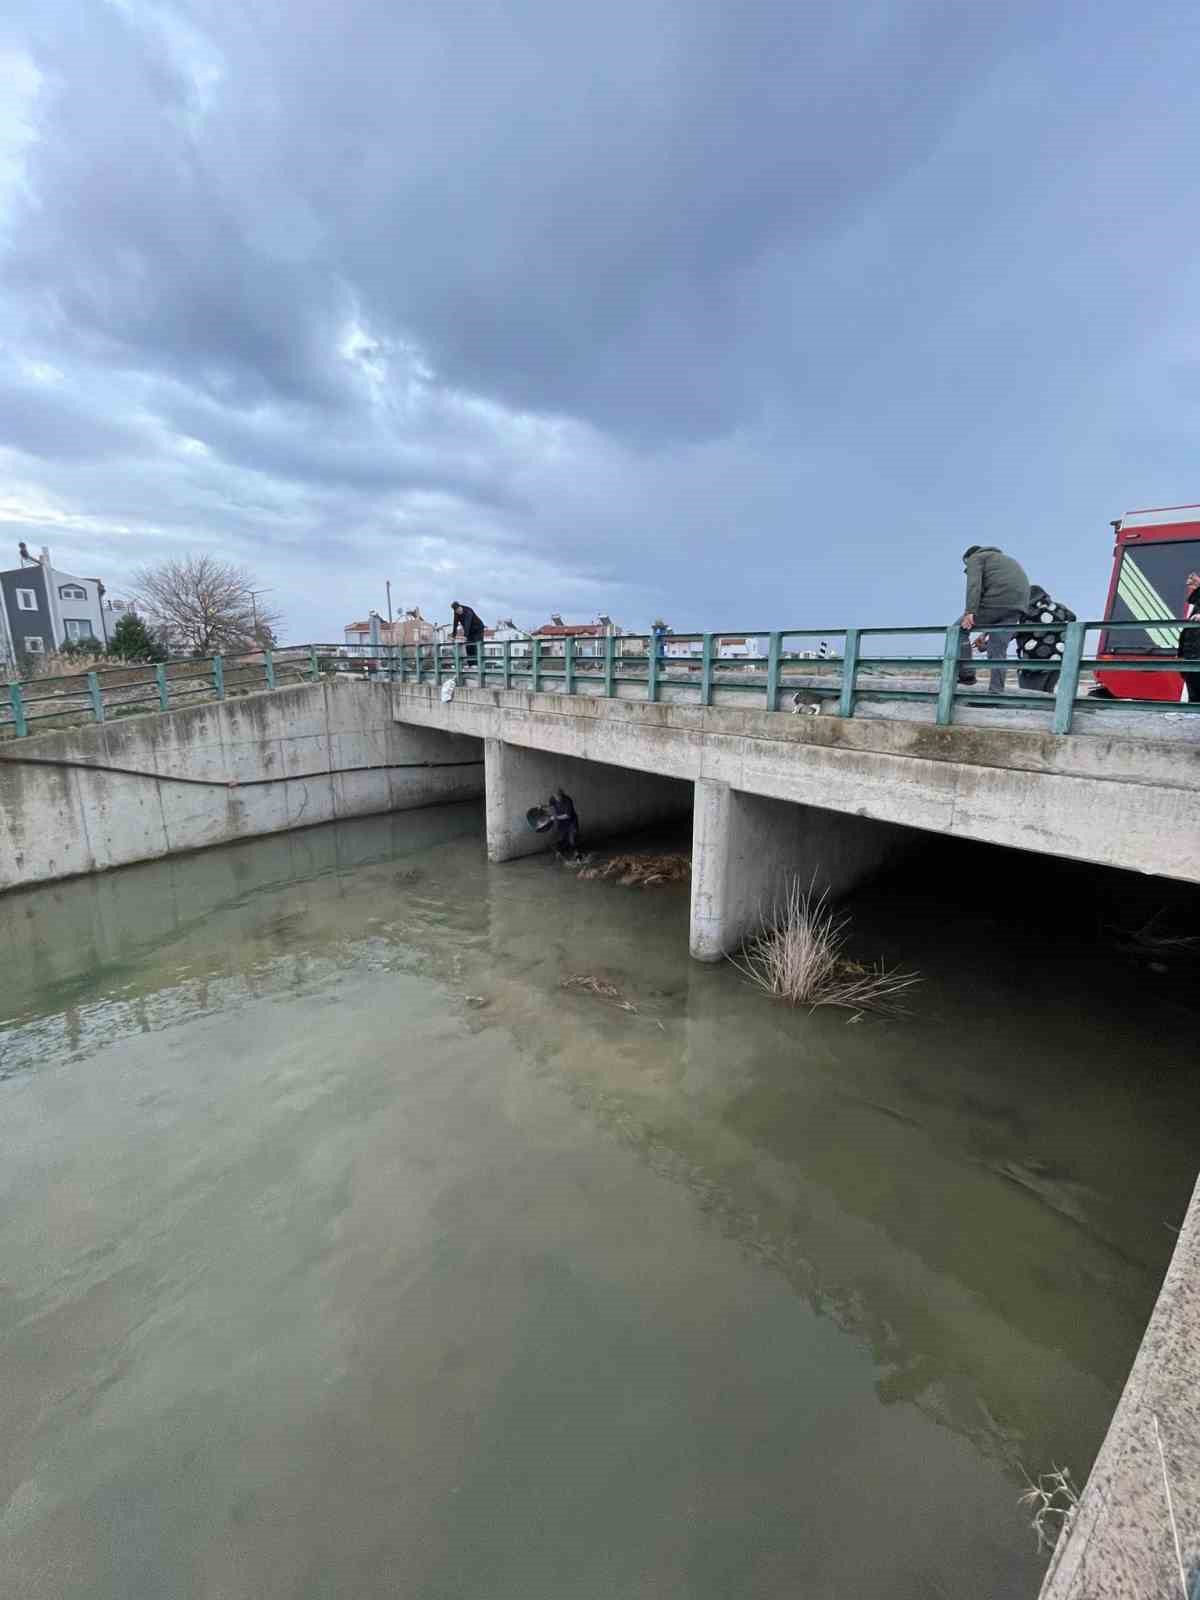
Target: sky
<point>748,315</point>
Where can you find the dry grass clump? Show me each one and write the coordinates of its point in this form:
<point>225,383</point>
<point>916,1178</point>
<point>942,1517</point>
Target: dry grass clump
<point>801,958</point>
<point>1053,1500</point>
<point>56,665</point>
<point>643,870</point>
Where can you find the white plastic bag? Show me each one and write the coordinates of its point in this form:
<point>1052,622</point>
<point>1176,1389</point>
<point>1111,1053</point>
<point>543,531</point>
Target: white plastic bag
<point>448,690</point>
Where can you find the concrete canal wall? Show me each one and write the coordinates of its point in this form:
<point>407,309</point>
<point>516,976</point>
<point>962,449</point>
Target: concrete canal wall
<point>1122,1541</point>
<point>145,787</point>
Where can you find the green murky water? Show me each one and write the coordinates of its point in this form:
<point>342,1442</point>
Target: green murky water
<point>344,1253</point>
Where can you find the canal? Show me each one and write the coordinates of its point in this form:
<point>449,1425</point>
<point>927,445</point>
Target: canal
<point>345,1252</point>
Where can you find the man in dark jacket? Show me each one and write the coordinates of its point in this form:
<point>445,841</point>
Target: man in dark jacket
<point>566,823</point>
<point>997,594</point>
<point>472,626</point>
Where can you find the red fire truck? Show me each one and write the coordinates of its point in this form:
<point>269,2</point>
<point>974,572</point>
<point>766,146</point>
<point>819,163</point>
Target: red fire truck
<point>1155,552</point>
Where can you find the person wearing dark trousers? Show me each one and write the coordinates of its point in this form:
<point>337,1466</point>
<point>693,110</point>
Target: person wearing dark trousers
<point>1189,638</point>
<point>566,823</point>
<point>997,594</point>
<point>472,626</point>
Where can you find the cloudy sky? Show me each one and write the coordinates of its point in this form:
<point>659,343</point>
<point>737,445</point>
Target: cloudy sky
<point>751,314</point>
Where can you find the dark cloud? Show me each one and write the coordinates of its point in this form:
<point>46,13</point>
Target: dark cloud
<point>43,418</point>
<point>673,304</point>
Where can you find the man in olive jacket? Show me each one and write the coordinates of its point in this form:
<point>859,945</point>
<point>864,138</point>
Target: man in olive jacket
<point>997,594</point>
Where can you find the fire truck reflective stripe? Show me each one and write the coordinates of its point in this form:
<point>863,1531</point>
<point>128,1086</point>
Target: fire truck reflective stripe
<point>1144,601</point>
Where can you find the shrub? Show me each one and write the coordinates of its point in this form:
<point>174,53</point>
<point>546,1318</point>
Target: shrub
<point>800,957</point>
<point>133,641</point>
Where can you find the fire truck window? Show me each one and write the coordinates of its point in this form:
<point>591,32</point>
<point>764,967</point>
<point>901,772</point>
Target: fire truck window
<point>1151,585</point>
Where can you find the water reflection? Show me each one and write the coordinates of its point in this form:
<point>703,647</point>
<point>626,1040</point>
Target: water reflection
<point>977,1200</point>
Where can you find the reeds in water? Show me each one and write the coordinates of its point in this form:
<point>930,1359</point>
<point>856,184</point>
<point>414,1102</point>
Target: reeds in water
<point>801,958</point>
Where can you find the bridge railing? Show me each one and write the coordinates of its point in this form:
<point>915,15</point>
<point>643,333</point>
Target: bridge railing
<point>772,667</point>
<point>113,689</point>
<point>768,669</point>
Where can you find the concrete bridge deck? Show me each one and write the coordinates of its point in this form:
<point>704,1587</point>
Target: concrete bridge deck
<point>828,797</point>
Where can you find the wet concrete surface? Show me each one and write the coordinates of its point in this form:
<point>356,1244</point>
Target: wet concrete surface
<point>343,1252</point>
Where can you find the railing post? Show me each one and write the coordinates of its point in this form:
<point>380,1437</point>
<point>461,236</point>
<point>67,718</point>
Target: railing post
<point>652,668</point>
<point>218,676</point>
<point>269,667</point>
<point>945,699</point>
<point>1068,678</point>
<point>403,672</point>
<point>774,650</point>
<point>482,664</point>
<point>457,659</point>
<point>314,670</point>
<point>849,673</point>
<point>569,664</point>
<point>164,694</point>
<point>610,664</point>
<point>706,670</point>
<point>93,683</point>
<point>508,663</point>
<point>18,710</point>
<point>535,662</point>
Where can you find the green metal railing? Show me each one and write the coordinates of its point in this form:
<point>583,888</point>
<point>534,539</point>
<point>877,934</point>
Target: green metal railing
<point>615,667</point>
<point>118,689</point>
<point>778,669</point>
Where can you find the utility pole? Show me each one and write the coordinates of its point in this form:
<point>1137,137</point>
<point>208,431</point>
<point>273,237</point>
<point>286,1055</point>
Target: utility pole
<point>254,594</point>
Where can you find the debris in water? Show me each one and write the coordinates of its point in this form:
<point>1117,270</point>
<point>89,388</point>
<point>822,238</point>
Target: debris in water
<point>587,984</point>
<point>643,870</point>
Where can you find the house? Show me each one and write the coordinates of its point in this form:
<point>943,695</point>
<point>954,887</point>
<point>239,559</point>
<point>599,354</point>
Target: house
<point>730,647</point>
<point>43,608</point>
<point>589,636</point>
<point>409,628</point>
<point>507,630</point>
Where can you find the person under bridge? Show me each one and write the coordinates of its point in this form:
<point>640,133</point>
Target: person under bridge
<point>566,823</point>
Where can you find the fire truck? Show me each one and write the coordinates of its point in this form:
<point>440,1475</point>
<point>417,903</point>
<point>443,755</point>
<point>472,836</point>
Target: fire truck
<point>1155,551</point>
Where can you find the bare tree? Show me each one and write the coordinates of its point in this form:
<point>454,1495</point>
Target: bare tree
<point>201,606</point>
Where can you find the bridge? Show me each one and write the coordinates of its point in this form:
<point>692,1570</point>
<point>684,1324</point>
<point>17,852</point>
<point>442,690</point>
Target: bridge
<point>787,765</point>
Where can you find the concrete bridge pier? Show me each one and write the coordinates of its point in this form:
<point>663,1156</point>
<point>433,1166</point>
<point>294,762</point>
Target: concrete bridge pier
<point>609,799</point>
<point>746,848</point>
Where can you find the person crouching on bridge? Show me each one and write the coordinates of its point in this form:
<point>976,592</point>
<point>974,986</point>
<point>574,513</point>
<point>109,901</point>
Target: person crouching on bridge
<point>566,824</point>
<point>997,594</point>
<point>472,626</point>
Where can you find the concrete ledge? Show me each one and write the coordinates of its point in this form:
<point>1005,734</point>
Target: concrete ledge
<point>1120,1543</point>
